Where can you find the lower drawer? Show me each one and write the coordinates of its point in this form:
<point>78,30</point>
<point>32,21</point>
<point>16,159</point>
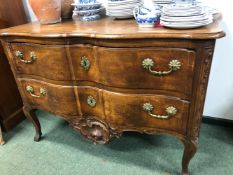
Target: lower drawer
<point>124,112</point>
<point>135,111</point>
<point>145,112</point>
<point>57,99</point>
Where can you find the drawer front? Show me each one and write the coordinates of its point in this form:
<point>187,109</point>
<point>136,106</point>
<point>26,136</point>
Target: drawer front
<point>155,68</point>
<point>41,60</point>
<point>57,99</point>
<point>91,102</point>
<point>134,111</point>
<point>145,112</point>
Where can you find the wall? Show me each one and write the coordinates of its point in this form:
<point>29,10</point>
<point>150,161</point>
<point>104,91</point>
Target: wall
<point>219,100</point>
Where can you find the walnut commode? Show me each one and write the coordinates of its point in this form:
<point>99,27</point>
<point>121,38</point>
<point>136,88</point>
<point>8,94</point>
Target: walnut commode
<point>106,77</point>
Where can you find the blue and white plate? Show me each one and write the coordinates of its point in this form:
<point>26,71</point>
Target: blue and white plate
<point>90,18</point>
<point>87,12</point>
<point>86,6</point>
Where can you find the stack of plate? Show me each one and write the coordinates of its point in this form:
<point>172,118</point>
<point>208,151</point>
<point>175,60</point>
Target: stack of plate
<point>88,11</point>
<point>121,8</point>
<point>182,16</point>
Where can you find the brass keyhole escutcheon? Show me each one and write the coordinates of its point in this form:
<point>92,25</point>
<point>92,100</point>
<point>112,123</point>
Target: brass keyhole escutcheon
<point>85,63</point>
<point>91,101</point>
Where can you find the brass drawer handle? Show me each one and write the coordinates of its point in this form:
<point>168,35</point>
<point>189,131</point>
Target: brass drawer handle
<point>91,101</point>
<point>85,63</point>
<point>19,55</point>
<point>174,65</point>
<point>171,111</point>
<point>31,91</point>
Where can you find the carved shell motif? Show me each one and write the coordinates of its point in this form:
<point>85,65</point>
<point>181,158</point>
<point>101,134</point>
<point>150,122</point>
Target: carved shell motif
<point>94,130</point>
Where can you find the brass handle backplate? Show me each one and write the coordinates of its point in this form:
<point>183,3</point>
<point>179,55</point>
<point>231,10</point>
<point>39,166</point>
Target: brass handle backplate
<point>171,111</point>
<point>85,63</point>
<point>31,91</point>
<point>91,101</point>
<point>20,56</point>
<point>173,65</point>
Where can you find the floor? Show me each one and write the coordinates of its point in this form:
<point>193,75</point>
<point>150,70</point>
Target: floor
<point>62,151</point>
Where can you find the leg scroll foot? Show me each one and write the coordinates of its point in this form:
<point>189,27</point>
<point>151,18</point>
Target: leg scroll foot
<point>30,114</point>
<point>189,151</point>
<point>37,137</point>
<point>1,137</point>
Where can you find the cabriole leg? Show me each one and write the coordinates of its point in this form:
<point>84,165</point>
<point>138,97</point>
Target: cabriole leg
<point>30,114</point>
<point>190,149</point>
<point>1,137</point>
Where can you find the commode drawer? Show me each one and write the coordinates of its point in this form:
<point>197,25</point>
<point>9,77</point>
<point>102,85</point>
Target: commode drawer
<point>46,61</point>
<point>57,99</point>
<point>124,111</point>
<point>135,68</point>
<point>145,112</point>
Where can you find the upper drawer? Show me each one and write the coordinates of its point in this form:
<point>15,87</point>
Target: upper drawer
<point>42,60</point>
<point>149,68</point>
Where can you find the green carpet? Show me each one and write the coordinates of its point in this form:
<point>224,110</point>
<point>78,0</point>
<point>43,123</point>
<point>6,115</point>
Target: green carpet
<point>62,151</point>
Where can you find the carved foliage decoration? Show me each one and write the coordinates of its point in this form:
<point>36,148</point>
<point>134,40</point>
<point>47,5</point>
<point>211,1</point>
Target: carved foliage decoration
<point>205,71</point>
<point>94,130</point>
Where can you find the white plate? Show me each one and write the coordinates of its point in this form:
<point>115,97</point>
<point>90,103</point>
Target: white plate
<point>183,14</point>
<point>180,19</point>
<point>161,0</point>
<point>120,11</point>
<point>201,15</point>
<point>122,17</point>
<point>185,26</point>
<point>120,6</point>
<point>182,7</point>
<point>119,16</point>
<point>177,21</point>
<point>187,23</point>
<point>166,9</point>
<point>122,2</point>
<point>123,6</point>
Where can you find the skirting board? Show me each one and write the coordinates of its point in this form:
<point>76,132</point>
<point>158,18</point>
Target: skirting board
<point>217,121</point>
